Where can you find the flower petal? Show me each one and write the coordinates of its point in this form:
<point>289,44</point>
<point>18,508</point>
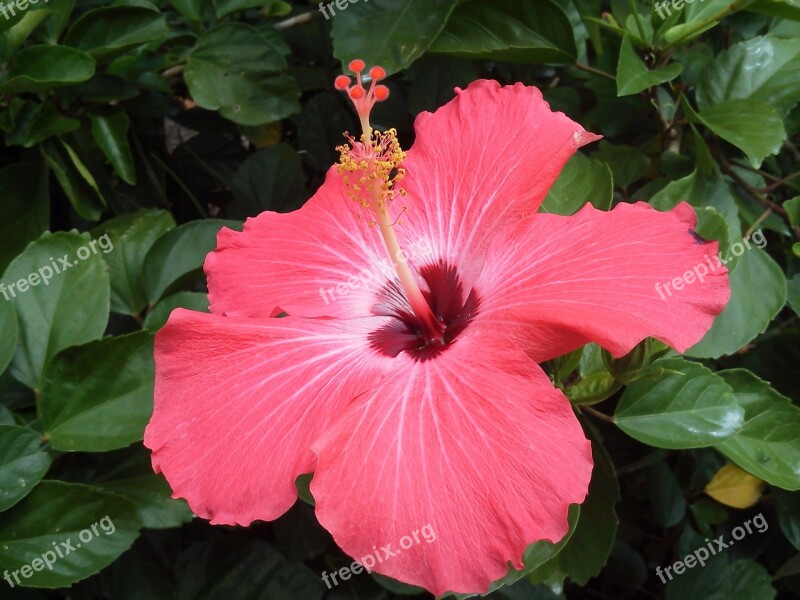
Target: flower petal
<point>311,262</point>
<point>600,276</point>
<point>474,443</point>
<point>488,156</point>
<point>239,401</point>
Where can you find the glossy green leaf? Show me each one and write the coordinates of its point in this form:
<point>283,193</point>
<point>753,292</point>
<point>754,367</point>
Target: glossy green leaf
<point>25,209</point>
<point>508,30</point>
<point>764,68</point>
<point>134,478</point>
<point>57,306</point>
<point>582,180</point>
<point>679,404</point>
<point>110,131</point>
<point>390,33</point>
<point>767,445</point>
<point>59,515</point>
<point>22,463</point>
<point>99,396</point>
<point>753,126</point>
<point>42,68</point>
<point>106,30</point>
<point>633,75</point>
<point>758,293</point>
<point>235,69</point>
<point>180,252</point>
<point>131,236</point>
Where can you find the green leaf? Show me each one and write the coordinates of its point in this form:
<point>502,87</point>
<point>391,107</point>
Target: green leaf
<point>793,293</point>
<point>110,131</point>
<point>225,7</point>
<point>633,75</point>
<point>764,68</point>
<point>22,463</point>
<point>191,9</point>
<point>679,404</point>
<point>627,163</point>
<point>131,236</point>
<point>59,515</point>
<point>753,126</point>
<point>767,444</point>
<point>180,252</point>
<point>57,306</point>
<point>700,17</point>
<point>666,497</point>
<point>510,31</point>
<point>47,123</point>
<point>270,179</point>
<point>75,179</point>
<point>718,580</point>
<point>792,208</point>
<point>158,315</point>
<point>758,293</point>
<point>788,509</point>
<point>234,70</point>
<point>25,208</point>
<point>42,68</point>
<point>134,478</point>
<point>389,33</point>
<point>12,39</point>
<point>582,180</point>
<point>12,19</point>
<point>107,30</point>
<point>587,550</point>
<point>99,396</point>
<point>240,567</point>
<point>8,325</point>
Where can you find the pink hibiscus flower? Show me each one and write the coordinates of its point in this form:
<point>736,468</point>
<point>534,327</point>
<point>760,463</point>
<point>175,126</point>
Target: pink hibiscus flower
<point>407,381</point>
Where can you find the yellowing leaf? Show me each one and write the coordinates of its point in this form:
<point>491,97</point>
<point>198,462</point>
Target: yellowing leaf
<point>734,487</point>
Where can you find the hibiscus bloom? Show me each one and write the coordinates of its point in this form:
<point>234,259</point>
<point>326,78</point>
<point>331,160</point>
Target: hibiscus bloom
<point>410,386</point>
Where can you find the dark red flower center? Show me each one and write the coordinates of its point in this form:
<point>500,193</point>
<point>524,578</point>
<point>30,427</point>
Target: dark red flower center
<point>453,309</point>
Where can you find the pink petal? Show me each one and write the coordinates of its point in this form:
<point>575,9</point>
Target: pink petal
<point>475,443</point>
<point>320,260</point>
<point>594,276</point>
<point>239,401</point>
<point>488,156</point>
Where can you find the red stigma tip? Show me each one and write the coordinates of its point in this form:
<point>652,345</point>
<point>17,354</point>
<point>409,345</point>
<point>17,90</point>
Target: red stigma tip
<point>357,65</point>
<point>342,82</point>
<point>381,93</point>
<point>357,93</point>
<point>377,73</point>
